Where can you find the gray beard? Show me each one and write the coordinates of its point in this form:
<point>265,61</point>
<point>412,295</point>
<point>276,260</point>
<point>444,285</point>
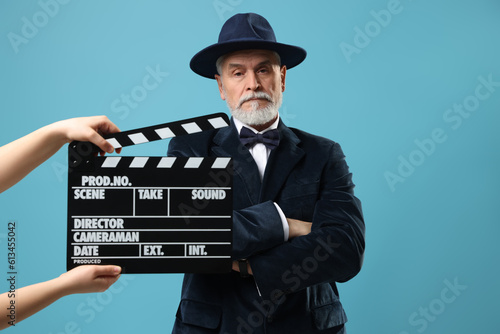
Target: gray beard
<point>257,116</point>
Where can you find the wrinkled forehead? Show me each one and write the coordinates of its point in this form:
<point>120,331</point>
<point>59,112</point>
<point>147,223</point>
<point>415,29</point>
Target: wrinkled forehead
<point>250,57</point>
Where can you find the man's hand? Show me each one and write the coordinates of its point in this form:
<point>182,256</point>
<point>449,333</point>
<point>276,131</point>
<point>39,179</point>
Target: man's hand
<point>298,227</point>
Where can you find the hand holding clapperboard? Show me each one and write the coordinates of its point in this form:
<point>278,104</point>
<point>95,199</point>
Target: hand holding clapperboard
<point>150,214</point>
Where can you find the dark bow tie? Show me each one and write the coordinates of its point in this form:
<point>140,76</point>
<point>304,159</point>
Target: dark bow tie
<point>269,138</point>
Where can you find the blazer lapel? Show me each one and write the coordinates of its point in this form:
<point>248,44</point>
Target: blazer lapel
<point>281,162</point>
<point>246,174</point>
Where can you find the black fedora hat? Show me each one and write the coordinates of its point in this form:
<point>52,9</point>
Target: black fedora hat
<point>243,32</point>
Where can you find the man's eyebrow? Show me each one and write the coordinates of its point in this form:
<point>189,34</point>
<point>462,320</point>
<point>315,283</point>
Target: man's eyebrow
<point>234,65</point>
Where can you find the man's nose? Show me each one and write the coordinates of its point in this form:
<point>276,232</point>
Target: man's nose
<point>252,81</point>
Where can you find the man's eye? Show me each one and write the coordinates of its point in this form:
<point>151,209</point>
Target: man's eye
<point>263,70</point>
<point>237,74</point>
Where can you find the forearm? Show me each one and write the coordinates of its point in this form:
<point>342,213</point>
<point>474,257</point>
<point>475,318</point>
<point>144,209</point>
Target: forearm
<point>256,229</point>
<point>296,228</point>
<point>333,251</point>
<point>29,300</point>
<point>20,157</point>
<point>326,262</point>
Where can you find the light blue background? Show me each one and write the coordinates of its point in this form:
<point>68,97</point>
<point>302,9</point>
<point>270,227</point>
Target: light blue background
<point>440,224</point>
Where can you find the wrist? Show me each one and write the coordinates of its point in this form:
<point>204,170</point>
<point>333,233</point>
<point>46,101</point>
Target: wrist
<point>292,225</point>
<point>67,284</point>
<point>57,133</point>
<point>58,286</point>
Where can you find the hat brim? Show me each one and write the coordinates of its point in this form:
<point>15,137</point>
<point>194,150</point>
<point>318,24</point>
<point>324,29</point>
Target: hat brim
<point>203,63</point>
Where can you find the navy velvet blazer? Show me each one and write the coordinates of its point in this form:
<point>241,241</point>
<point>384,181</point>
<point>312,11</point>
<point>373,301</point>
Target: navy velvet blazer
<point>292,289</point>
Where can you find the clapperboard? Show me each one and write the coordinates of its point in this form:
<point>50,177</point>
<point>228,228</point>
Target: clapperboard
<point>151,214</point>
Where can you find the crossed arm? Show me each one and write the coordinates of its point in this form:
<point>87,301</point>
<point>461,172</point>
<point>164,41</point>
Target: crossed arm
<point>297,229</point>
<point>328,249</point>
<point>334,236</point>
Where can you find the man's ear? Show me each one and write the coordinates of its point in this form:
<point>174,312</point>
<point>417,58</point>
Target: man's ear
<point>219,83</point>
<point>283,76</point>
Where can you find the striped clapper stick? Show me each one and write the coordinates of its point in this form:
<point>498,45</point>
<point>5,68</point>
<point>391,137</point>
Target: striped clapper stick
<point>151,214</point>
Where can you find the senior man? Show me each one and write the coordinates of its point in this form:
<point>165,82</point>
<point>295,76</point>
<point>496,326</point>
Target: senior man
<point>297,226</point>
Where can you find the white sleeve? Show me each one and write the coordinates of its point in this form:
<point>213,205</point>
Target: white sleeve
<point>286,228</point>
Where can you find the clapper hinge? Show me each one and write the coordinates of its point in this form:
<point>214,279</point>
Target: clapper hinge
<point>81,155</point>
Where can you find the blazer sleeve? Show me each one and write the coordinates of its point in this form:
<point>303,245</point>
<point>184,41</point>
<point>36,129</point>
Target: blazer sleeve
<point>334,249</point>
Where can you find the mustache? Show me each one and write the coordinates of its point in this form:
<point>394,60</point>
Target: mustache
<point>256,95</point>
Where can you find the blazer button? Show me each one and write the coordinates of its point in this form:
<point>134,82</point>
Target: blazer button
<point>270,318</point>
